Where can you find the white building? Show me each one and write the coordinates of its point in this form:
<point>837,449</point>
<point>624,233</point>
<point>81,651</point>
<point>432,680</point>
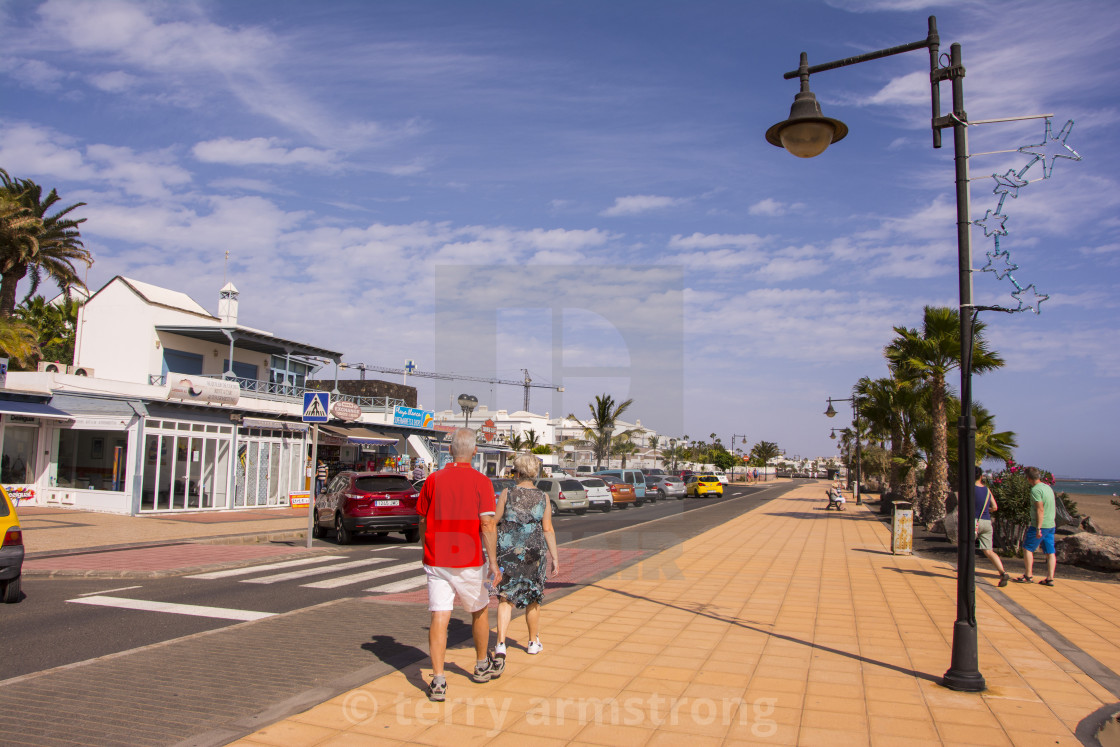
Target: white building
<point>171,408</point>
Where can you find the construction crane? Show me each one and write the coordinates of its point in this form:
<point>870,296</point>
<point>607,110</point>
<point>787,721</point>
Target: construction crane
<point>527,382</point>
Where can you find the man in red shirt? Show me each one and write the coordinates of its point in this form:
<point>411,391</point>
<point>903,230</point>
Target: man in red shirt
<point>456,508</point>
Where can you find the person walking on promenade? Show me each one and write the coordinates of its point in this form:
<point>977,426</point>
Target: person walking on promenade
<point>524,534</point>
<point>1041,530</point>
<point>456,508</point>
<point>985,503</point>
<point>320,477</point>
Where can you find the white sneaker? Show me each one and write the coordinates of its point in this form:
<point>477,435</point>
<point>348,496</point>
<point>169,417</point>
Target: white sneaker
<point>535,647</point>
<point>499,649</point>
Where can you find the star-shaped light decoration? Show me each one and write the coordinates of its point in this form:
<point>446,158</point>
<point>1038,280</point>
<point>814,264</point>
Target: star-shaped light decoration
<point>1000,263</point>
<point>992,223</point>
<point>1029,298</point>
<point>1050,149</point>
<point>1008,184</point>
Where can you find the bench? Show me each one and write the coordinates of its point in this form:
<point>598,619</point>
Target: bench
<point>833,502</point>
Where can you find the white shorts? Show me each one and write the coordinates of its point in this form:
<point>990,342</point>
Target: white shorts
<point>469,584</point>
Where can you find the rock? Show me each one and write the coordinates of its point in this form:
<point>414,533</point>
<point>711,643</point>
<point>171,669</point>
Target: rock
<point>1088,525</point>
<point>950,503</point>
<point>1067,530</point>
<point>1090,550</point>
<point>949,526</point>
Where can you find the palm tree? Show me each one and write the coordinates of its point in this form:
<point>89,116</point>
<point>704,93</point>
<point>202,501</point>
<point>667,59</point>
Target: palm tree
<point>599,429</point>
<point>515,442</point>
<point>763,451</point>
<point>654,442</point>
<point>532,440</point>
<point>892,407</point>
<point>54,324</point>
<point>18,342</point>
<point>929,355</point>
<point>50,247</point>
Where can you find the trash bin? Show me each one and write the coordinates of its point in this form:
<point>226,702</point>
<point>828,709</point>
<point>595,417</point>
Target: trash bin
<point>902,528</point>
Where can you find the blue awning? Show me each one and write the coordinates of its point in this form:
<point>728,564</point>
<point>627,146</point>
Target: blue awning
<point>357,435</point>
<point>32,409</point>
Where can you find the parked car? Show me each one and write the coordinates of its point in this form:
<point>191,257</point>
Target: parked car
<point>357,502</point>
<point>598,493</point>
<point>502,483</point>
<point>584,469</point>
<point>665,486</point>
<point>622,492</point>
<point>11,550</point>
<point>632,476</point>
<point>565,494</point>
<point>722,478</point>
<point>647,471</point>
<point>683,473</point>
<point>701,485</point>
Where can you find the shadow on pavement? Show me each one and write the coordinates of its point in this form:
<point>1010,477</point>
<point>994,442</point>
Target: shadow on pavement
<point>700,609</point>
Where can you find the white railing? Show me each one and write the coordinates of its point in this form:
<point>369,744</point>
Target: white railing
<point>283,392</point>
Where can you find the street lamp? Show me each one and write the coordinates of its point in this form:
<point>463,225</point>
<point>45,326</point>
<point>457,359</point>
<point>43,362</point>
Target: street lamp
<point>806,134</point>
<point>844,452</point>
<point>743,439</point>
<point>673,448</point>
<point>831,412</point>
<point>467,402</point>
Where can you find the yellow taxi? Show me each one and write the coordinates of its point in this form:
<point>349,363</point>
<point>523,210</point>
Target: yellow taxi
<point>11,550</point>
<point>701,485</point>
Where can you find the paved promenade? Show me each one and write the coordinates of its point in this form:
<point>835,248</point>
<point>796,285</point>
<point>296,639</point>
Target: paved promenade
<point>785,625</point>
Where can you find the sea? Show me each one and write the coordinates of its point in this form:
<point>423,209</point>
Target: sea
<point>1088,487</point>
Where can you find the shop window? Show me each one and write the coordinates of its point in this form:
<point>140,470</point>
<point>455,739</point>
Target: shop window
<point>180,361</point>
<point>92,460</point>
<point>17,465</point>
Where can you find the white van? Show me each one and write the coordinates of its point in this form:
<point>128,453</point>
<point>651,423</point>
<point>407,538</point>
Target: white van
<point>633,477</point>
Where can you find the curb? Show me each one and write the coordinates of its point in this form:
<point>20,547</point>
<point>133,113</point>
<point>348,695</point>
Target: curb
<point>217,539</point>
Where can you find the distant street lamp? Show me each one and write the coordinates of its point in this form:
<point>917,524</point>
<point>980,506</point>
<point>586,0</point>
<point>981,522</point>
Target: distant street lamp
<point>468,403</point>
<point>831,412</point>
<point>743,440</point>
<point>806,134</point>
<point>673,449</point>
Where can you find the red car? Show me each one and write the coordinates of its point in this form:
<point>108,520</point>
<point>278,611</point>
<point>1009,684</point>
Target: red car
<point>357,502</point>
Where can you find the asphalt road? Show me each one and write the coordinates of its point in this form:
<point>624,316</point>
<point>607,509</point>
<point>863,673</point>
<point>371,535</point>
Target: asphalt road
<point>55,625</point>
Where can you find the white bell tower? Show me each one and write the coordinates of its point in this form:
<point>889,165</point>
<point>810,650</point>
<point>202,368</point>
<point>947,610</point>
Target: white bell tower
<point>227,304</point>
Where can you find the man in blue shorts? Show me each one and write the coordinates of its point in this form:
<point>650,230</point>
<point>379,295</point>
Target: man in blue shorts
<point>1041,530</point>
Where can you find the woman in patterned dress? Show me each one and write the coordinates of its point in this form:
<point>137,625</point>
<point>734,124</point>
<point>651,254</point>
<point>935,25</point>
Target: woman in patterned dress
<point>524,535</point>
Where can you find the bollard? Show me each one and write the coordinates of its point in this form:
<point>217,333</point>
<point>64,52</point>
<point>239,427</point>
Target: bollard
<point>902,528</point>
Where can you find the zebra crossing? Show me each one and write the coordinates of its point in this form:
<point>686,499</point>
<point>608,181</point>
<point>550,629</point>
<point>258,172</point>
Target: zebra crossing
<point>302,569</point>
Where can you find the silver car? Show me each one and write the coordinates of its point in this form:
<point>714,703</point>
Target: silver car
<point>598,493</point>
<point>565,494</point>
<point>665,486</point>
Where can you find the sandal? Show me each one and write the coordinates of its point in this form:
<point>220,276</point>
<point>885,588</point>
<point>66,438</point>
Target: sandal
<point>1024,580</point>
<point>1046,582</point>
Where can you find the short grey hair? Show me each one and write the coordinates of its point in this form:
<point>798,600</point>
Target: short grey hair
<point>526,466</point>
<point>463,442</point>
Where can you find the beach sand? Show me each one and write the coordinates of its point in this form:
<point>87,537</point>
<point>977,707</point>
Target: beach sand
<point>1106,516</point>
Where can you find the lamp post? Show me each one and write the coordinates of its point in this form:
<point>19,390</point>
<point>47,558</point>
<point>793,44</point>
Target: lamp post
<point>673,448</point>
<point>806,134</point>
<point>743,439</point>
<point>467,402</point>
<point>831,412</point>
<point>844,453</point>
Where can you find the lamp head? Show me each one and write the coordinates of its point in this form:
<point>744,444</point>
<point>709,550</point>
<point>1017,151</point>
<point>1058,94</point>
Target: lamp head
<point>832,435</point>
<point>807,132</point>
<point>831,411</point>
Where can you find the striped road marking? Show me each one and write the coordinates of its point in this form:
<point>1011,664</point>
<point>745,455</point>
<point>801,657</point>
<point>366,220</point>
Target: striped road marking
<point>313,571</point>
<point>405,585</point>
<point>332,583</point>
<point>266,567</point>
<point>221,613</point>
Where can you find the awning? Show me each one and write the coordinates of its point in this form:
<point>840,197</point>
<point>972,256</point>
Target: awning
<point>358,435</point>
<point>98,413</point>
<point>32,409</point>
<point>275,425</point>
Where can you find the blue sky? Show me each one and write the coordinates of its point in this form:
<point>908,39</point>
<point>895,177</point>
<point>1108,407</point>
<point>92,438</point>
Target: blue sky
<point>588,184</point>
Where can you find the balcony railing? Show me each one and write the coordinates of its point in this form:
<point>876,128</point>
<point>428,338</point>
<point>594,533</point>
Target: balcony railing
<point>289,392</point>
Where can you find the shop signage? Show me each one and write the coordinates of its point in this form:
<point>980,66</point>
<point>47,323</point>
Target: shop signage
<point>346,410</point>
<point>413,417</point>
<point>20,492</point>
<point>274,425</point>
<point>299,499</point>
<point>444,428</point>
<point>489,432</point>
<point>201,389</point>
<point>99,424</point>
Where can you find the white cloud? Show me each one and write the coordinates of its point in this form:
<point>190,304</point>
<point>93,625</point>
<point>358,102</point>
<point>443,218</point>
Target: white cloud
<point>637,204</point>
<point>712,240</point>
<point>773,208</point>
<point>116,81</point>
<point>260,151</point>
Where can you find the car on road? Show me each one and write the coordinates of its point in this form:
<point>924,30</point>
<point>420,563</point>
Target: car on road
<point>722,478</point>
<point>565,494</point>
<point>11,550</point>
<point>632,476</point>
<point>622,492</point>
<point>362,502</point>
<point>502,483</point>
<point>598,493</point>
<point>664,486</point>
<point>700,485</point>
<point>647,471</point>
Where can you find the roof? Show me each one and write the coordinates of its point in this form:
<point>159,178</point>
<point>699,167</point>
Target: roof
<point>164,297</point>
<point>249,339</point>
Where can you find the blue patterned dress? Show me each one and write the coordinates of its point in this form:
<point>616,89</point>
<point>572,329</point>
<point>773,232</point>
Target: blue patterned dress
<point>522,550</point>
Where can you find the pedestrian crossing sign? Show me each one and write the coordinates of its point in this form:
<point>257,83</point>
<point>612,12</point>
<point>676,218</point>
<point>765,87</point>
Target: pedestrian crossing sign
<point>316,407</point>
